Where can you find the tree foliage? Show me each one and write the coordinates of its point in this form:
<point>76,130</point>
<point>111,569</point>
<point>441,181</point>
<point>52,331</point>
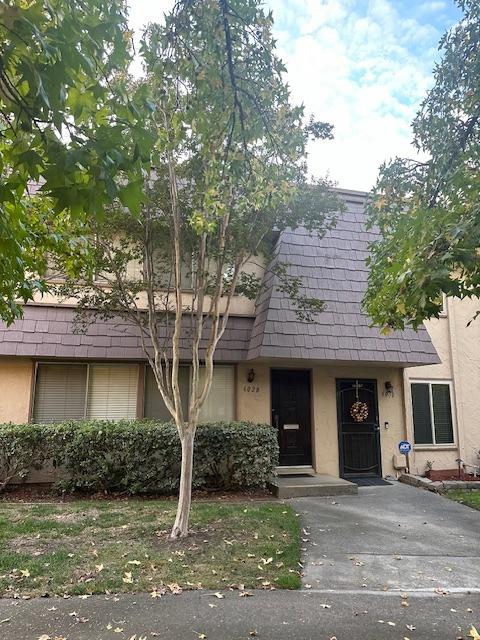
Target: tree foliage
<point>66,120</point>
<point>428,213</point>
<point>227,175</point>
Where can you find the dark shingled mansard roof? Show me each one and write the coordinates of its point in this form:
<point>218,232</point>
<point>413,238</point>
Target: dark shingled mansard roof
<point>332,268</point>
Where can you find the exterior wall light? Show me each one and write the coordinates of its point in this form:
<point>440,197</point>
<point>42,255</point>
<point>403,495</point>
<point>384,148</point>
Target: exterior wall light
<point>251,375</point>
<point>388,389</point>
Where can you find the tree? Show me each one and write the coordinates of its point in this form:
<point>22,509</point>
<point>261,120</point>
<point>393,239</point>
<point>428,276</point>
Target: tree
<point>428,213</point>
<point>67,121</point>
<point>228,176</point>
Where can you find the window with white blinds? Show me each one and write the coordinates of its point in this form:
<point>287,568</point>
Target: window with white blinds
<point>60,392</point>
<point>219,404</point>
<point>112,392</point>
<point>79,391</point>
<point>432,413</point>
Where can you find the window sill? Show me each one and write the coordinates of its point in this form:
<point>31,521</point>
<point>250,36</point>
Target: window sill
<point>435,447</point>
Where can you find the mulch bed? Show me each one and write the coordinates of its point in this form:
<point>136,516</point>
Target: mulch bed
<point>438,475</point>
<point>44,493</point>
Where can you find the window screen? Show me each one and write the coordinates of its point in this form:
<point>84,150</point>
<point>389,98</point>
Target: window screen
<point>421,414</point>
<point>432,413</point>
<point>112,393</point>
<point>154,405</point>
<point>442,414</point>
<point>60,392</point>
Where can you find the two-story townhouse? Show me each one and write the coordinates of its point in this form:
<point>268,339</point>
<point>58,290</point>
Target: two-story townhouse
<point>333,388</point>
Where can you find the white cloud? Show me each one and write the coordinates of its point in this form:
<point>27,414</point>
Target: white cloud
<point>359,65</point>
<point>359,72</point>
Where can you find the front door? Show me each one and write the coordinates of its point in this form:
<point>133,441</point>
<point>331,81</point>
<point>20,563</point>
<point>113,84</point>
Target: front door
<point>291,415</point>
<point>358,428</point>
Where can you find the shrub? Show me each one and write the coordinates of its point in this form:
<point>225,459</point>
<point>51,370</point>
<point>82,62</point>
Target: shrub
<point>23,447</point>
<point>144,456</point>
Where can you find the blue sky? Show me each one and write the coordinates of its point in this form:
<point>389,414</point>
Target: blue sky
<point>363,65</point>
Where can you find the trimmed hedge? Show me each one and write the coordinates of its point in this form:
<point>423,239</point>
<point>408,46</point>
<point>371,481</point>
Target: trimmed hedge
<point>140,456</point>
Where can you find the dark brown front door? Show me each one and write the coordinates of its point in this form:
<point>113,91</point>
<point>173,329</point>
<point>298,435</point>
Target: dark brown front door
<point>358,428</point>
<point>291,415</point>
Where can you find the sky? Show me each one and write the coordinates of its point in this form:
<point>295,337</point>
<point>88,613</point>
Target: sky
<point>362,65</point>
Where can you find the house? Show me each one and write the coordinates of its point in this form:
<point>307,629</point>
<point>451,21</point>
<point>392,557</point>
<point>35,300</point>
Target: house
<point>443,400</point>
<point>335,389</point>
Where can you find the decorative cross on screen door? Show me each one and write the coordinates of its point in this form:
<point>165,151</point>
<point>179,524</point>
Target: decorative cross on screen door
<point>357,386</point>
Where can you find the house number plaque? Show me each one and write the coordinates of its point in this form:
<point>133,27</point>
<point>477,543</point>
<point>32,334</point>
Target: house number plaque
<point>251,388</point>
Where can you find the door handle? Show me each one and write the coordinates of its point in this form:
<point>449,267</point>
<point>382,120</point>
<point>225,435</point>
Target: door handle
<point>376,427</point>
<point>275,420</point>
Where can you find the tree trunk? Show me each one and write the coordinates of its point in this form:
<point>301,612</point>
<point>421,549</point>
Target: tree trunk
<point>180,528</point>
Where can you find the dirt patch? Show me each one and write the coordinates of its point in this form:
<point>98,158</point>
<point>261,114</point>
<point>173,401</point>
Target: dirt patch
<point>28,494</point>
<point>38,547</point>
<point>72,517</point>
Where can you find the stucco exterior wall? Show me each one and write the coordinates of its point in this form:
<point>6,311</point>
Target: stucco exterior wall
<point>458,346</point>
<point>253,398</point>
<point>15,389</point>
<point>253,403</point>
<point>390,409</point>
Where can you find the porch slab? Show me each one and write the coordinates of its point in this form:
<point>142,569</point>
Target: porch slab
<point>311,485</point>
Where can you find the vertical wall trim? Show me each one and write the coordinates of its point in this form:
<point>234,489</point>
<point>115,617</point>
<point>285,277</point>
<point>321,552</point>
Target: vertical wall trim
<point>457,389</point>
<point>141,390</point>
<point>33,382</point>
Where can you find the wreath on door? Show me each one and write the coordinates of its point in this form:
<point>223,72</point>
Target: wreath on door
<point>359,411</point>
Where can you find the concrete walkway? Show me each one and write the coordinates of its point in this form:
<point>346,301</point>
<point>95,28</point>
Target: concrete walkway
<point>395,538</point>
<point>391,563</point>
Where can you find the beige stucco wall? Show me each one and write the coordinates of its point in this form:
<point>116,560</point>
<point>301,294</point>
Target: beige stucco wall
<point>15,389</point>
<point>253,403</point>
<point>390,409</point>
<point>458,346</point>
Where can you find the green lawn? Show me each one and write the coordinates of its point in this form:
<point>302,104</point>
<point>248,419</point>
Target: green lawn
<point>92,547</point>
<point>470,498</point>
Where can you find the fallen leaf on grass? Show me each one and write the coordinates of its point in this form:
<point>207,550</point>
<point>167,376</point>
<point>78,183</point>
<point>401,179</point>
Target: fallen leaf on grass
<point>127,578</point>
<point>245,594</point>
<point>99,567</point>
<point>136,562</point>
<point>175,588</point>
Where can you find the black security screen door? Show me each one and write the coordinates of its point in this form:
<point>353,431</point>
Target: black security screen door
<point>291,415</point>
<point>358,429</point>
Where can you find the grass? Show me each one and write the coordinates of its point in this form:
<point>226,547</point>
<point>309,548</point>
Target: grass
<point>96,547</point>
<point>470,498</point>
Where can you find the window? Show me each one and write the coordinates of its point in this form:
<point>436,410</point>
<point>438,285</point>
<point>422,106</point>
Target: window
<point>60,392</point>
<point>79,391</point>
<point>112,392</point>
<point>219,404</point>
<point>154,406</point>
<point>432,413</point>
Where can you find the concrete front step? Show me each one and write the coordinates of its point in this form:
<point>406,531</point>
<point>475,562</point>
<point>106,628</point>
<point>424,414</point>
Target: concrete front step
<point>315,485</point>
